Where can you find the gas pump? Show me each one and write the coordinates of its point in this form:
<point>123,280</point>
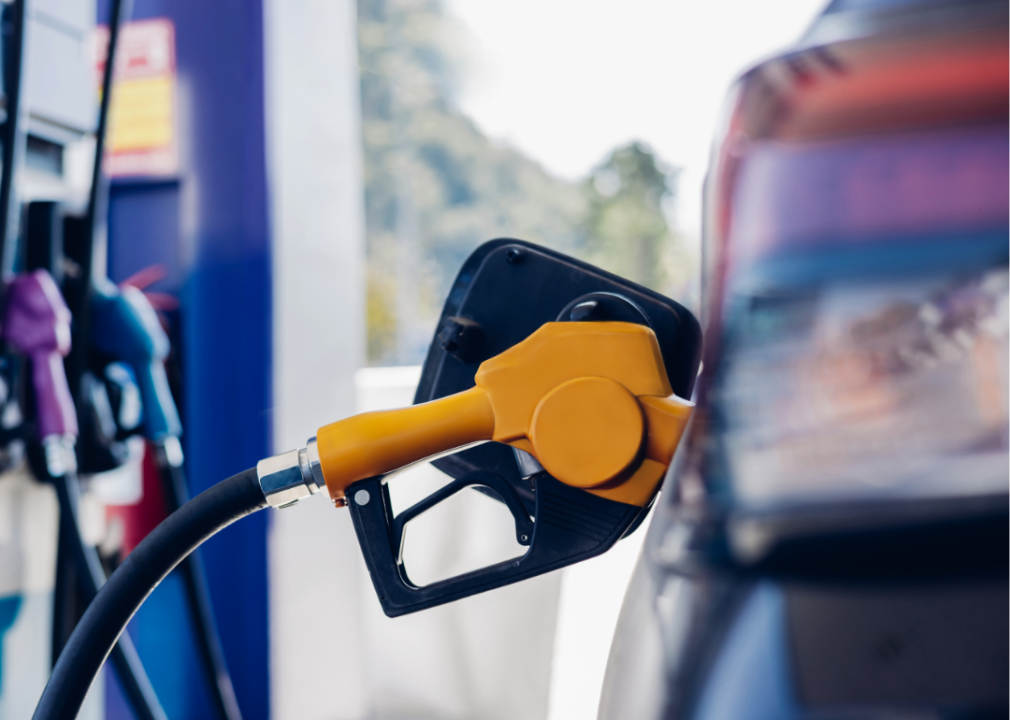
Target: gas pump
<point>120,346</point>
<point>37,326</point>
<point>60,241</point>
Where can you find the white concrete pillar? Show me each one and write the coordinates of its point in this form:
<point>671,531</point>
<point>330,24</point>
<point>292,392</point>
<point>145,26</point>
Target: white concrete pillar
<point>314,145</point>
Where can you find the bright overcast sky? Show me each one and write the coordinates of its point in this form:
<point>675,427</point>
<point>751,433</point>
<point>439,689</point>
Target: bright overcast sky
<point>567,80</point>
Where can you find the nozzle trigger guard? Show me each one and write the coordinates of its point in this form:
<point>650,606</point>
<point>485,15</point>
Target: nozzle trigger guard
<point>504,489</point>
<point>570,525</point>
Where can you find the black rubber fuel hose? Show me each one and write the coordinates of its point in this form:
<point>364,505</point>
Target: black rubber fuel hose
<point>91,577</point>
<point>198,595</point>
<point>126,589</point>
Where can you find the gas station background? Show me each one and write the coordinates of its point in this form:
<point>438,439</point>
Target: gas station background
<point>238,168</point>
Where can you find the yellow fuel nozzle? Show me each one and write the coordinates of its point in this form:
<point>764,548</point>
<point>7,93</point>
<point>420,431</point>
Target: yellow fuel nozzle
<point>590,400</point>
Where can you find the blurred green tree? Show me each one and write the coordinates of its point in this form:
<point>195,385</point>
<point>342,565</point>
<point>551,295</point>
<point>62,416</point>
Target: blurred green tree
<point>626,229</point>
<point>625,226</point>
<point>436,187</point>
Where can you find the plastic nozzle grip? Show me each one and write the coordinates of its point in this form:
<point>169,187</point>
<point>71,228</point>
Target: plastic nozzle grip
<point>591,401</point>
<point>379,442</point>
<point>127,328</point>
<point>37,323</point>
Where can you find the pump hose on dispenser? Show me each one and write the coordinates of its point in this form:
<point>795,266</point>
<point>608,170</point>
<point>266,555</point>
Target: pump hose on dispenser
<point>91,577</point>
<point>194,577</point>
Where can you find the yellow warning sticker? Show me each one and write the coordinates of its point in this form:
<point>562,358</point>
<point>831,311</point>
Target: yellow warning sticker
<point>142,139</point>
<point>141,115</point>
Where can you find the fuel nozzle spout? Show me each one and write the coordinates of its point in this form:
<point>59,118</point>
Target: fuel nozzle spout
<point>590,401</point>
<point>36,322</point>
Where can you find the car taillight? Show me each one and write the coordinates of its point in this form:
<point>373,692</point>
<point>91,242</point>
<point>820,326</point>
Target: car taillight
<point>909,125</point>
<point>864,324</point>
<point>856,269</point>
<point>912,190</point>
<point>851,388</point>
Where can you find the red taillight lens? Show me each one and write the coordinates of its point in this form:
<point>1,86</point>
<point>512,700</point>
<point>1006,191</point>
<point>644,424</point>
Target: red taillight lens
<point>913,187</point>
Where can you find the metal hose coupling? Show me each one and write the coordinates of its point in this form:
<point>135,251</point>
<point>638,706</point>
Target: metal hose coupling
<point>287,478</point>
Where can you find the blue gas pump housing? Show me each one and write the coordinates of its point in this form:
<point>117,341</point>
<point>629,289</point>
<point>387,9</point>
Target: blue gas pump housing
<point>207,223</point>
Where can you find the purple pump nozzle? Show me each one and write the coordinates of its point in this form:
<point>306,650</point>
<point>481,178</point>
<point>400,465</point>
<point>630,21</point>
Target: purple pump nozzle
<point>37,323</point>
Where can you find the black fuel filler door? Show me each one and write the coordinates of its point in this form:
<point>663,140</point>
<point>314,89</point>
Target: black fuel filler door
<point>504,292</point>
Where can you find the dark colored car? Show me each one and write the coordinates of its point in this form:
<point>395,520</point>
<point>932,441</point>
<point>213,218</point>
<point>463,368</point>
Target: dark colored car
<point>832,538</point>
